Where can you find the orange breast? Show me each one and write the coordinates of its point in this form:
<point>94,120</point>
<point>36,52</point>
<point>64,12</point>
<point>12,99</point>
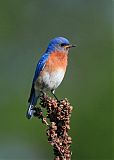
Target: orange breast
<point>56,60</point>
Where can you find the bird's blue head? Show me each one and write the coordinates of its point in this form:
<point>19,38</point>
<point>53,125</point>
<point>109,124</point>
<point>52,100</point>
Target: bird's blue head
<point>59,44</point>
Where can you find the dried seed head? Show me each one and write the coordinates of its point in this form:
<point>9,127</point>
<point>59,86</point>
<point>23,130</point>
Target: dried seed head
<point>58,114</point>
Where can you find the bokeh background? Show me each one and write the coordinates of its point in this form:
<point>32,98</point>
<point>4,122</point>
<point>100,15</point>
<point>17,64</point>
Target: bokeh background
<point>26,26</point>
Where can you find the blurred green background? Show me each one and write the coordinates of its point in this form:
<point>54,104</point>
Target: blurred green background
<point>26,26</point>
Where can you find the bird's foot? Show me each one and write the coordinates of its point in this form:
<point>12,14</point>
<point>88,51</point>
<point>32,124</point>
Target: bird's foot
<point>53,92</point>
<point>42,93</point>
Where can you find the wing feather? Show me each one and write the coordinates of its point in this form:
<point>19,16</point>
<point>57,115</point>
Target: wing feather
<point>39,68</point>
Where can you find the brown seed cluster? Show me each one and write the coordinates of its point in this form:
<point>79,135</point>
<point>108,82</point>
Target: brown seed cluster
<point>58,115</point>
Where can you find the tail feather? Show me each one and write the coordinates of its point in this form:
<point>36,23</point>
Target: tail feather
<point>32,103</point>
<point>30,111</point>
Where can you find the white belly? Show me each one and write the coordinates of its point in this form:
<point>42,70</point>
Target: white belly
<point>50,81</point>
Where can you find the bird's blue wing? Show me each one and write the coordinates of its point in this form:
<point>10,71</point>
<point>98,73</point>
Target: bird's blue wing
<point>40,65</point>
<point>39,68</point>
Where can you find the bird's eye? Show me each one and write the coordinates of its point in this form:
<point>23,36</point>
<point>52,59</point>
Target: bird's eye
<point>63,44</point>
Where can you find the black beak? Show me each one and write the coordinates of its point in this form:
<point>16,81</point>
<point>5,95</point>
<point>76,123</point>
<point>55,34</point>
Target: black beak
<point>73,45</point>
<point>70,46</point>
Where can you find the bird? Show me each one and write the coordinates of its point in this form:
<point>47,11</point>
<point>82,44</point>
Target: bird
<point>50,71</point>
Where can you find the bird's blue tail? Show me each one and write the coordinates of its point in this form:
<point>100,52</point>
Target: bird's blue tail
<point>32,104</point>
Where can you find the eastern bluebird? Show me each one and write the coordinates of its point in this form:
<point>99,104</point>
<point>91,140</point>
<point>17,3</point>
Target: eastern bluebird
<point>50,70</point>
